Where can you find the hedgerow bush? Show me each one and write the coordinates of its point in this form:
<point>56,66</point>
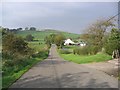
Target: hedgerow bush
<point>92,50</point>
<point>41,53</point>
<point>81,50</point>
<point>64,51</point>
<point>113,41</point>
<point>19,62</point>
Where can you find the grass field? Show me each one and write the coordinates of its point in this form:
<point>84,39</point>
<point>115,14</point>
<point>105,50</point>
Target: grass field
<point>37,46</point>
<point>86,59</point>
<point>80,59</point>
<point>40,35</point>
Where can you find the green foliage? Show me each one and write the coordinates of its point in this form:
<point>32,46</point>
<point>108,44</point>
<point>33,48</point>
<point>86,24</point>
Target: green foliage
<point>29,37</point>
<point>57,39</point>
<point>50,40</point>
<point>96,33</point>
<point>81,50</point>
<point>13,44</point>
<point>32,28</point>
<point>17,57</point>
<point>87,50</point>
<point>64,51</point>
<point>41,53</point>
<point>113,42</point>
<point>94,50</point>
<point>40,35</point>
<point>14,68</point>
<point>86,59</point>
<point>36,46</point>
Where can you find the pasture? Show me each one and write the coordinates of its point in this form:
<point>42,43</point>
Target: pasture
<point>40,35</point>
<point>67,54</point>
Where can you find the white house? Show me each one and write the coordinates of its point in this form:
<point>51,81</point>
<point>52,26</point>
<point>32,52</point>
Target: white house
<point>69,42</point>
<point>82,44</point>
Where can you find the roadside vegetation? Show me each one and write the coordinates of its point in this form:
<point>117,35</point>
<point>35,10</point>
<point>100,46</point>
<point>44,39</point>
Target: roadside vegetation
<point>19,55</point>
<point>82,55</point>
<point>57,39</point>
<point>22,49</point>
<point>99,40</point>
<point>102,43</point>
<point>86,59</point>
<point>0,71</point>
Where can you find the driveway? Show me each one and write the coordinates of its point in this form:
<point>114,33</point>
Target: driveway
<point>54,72</point>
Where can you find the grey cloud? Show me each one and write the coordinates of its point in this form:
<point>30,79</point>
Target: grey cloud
<point>72,17</point>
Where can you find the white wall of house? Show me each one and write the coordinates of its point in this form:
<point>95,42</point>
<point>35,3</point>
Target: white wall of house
<point>68,41</point>
<point>83,44</point>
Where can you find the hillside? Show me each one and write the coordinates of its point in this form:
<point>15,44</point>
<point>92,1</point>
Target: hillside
<point>40,35</point>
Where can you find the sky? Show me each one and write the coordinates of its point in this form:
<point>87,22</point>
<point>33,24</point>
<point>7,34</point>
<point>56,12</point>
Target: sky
<point>72,17</point>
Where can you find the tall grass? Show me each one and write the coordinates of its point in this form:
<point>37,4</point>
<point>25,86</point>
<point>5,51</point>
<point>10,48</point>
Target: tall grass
<point>12,73</point>
<point>14,66</point>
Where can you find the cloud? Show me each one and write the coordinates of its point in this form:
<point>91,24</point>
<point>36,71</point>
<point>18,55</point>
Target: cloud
<point>24,12</point>
<point>32,12</point>
<point>60,0</point>
<point>30,9</point>
<point>63,15</point>
<point>0,13</point>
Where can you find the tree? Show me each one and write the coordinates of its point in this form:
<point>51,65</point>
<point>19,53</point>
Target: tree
<point>50,40</point>
<point>32,28</point>
<point>59,40</point>
<point>112,44</point>
<point>96,32</point>
<point>47,41</point>
<point>29,37</point>
<point>19,29</point>
<point>26,28</point>
<point>52,37</point>
<point>12,44</point>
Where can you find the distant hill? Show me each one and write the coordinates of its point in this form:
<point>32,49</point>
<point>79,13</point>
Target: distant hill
<point>40,35</point>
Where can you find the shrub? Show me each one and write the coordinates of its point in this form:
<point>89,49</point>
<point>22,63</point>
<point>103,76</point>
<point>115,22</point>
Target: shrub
<point>29,37</point>
<point>41,53</point>
<point>94,49</point>
<point>86,50</point>
<point>113,42</point>
<point>63,51</point>
<point>81,50</point>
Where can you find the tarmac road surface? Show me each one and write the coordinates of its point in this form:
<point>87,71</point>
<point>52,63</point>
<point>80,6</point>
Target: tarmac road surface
<point>54,72</point>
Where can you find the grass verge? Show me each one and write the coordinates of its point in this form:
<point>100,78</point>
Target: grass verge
<point>9,78</point>
<point>86,59</point>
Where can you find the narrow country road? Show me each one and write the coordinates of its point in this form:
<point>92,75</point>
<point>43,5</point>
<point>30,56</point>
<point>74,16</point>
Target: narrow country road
<point>54,72</point>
